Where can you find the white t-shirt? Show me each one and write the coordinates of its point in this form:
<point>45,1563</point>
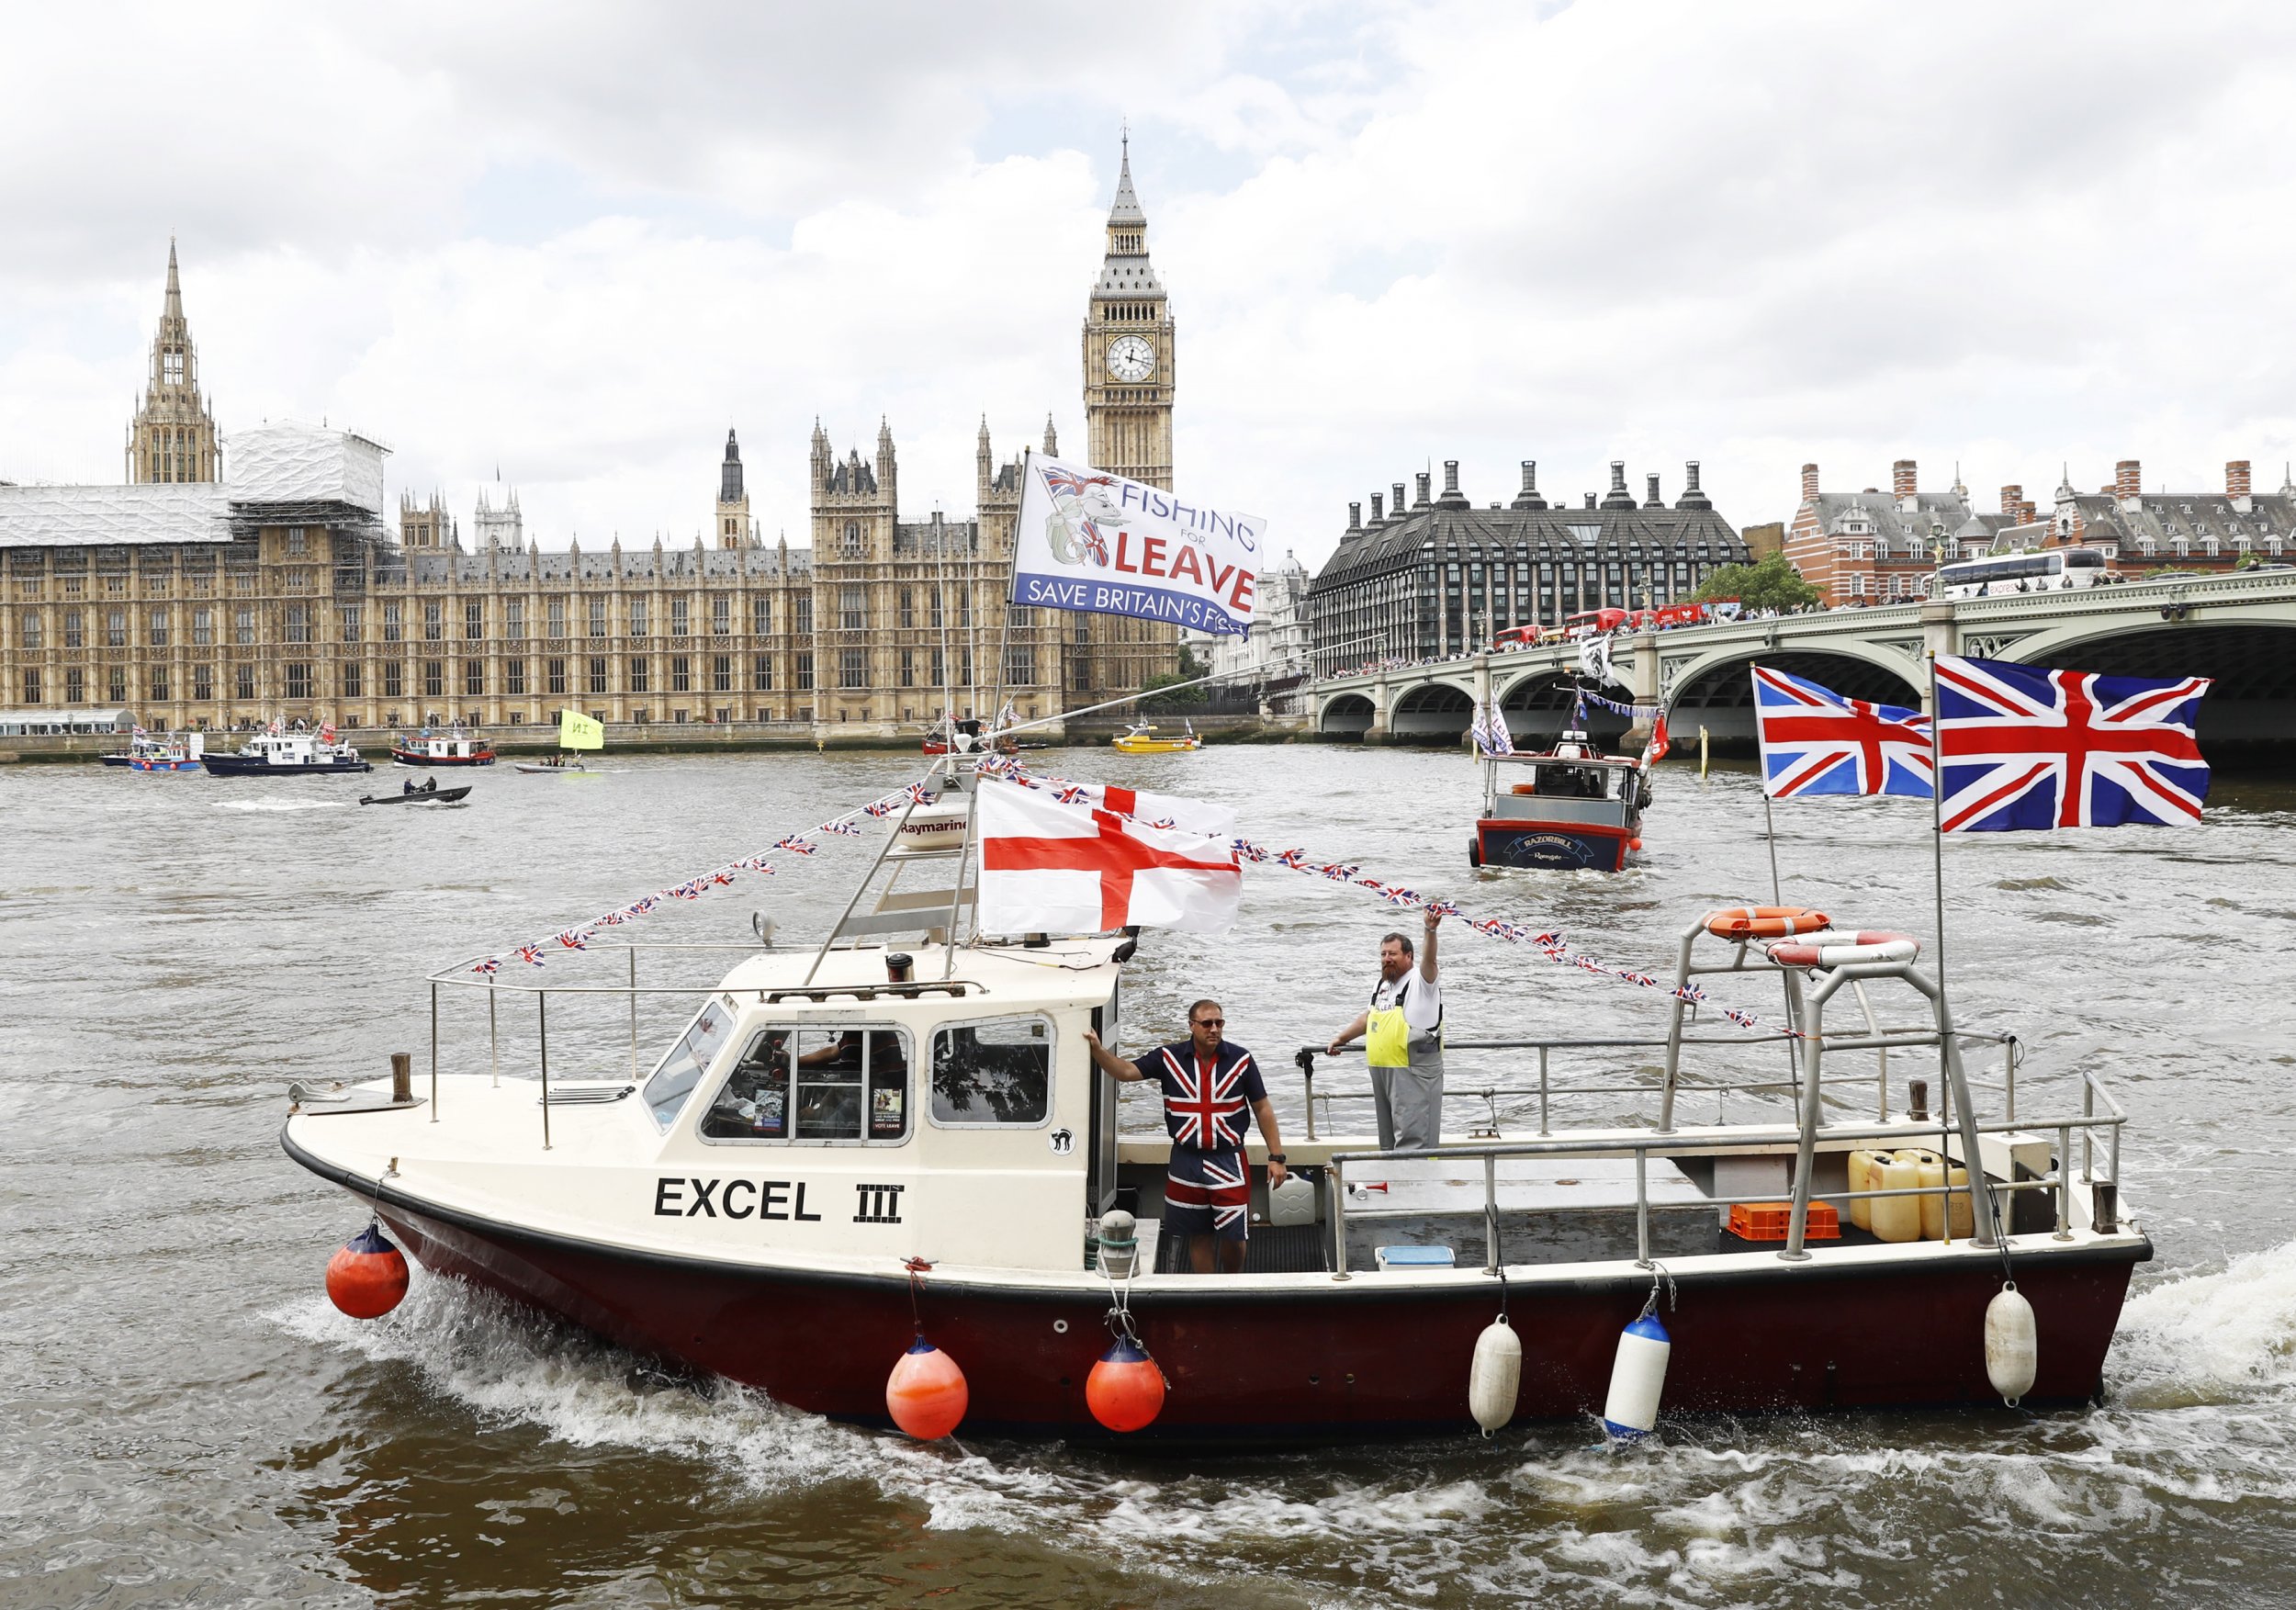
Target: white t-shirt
<point>1421,1001</point>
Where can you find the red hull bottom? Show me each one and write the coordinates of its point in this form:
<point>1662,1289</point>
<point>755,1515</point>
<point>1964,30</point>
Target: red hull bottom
<point>1333,1363</point>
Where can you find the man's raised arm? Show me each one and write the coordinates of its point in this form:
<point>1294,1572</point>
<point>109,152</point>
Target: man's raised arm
<point>1108,1063</point>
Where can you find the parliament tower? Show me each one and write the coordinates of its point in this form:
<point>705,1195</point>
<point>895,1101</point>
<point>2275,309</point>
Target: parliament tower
<point>172,437</point>
<point>1128,350</point>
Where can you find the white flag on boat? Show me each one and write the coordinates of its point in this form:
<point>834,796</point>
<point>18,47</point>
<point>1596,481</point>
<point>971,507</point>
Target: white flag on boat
<point>1086,540</point>
<point>1594,659</point>
<point>1490,729</point>
<point>1048,866</point>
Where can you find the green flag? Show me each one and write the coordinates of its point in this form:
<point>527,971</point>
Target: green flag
<point>577,731</point>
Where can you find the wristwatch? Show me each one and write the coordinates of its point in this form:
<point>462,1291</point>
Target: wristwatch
<point>1278,1157</point>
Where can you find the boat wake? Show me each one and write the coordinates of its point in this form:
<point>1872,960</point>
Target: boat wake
<point>1712,1509</point>
<point>280,805</point>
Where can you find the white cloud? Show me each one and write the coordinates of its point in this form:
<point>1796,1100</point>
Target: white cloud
<point>580,241</point>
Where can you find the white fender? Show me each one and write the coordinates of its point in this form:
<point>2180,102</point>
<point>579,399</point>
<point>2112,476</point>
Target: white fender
<point>1638,1379</point>
<point>1495,1376</point>
<point>2012,1352</point>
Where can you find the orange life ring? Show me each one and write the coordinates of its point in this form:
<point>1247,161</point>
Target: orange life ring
<point>1763,922</point>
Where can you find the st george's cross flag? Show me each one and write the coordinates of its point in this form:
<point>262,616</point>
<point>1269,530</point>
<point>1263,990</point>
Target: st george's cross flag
<point>1048,867</point>
<point>1158,810</point>
<point>2027,749</point>
<point>1815,741</point>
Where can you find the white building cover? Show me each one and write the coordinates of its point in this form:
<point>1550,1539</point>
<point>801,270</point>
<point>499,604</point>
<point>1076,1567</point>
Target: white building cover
<point>104,516</point>
<point>290,463</point>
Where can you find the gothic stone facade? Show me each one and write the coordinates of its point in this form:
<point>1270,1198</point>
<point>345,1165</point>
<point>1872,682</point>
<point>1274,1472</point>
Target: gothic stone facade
<point>218,605</point>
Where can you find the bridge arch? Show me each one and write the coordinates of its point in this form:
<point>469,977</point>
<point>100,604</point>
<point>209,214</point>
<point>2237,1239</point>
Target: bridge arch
<point>1348,715</point>
<point>1432,712</point>
<point>1537,705</point>
<point>1717,691</point>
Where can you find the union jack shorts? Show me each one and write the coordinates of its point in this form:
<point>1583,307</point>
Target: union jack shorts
<point>1208,1193</point>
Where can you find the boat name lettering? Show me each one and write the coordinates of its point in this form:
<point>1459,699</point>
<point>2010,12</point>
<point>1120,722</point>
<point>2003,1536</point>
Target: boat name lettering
<point>681,1198</point>
<point>878,1204</point>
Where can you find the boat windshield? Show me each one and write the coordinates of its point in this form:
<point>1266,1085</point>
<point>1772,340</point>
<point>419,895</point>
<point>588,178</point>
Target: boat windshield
<point>674,1079</point>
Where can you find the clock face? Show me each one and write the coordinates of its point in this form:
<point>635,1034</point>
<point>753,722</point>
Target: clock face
<point>1131,359</point>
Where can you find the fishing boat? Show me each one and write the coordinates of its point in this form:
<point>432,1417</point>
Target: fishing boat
<point>288,754</point>
<point>161,752</point>
<point>1142,738</point>
<point>457,748</point>
<point>891,1142</point>
<point>1570,807</point>
<point>434,795</point>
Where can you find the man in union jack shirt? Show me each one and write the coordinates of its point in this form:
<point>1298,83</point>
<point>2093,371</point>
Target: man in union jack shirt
<point>1209,1082</point>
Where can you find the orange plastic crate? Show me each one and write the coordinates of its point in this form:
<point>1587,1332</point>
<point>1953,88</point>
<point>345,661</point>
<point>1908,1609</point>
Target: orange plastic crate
<point>1767,1221</point>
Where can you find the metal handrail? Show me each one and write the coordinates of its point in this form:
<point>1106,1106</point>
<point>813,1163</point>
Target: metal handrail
<point>1595,1144</point>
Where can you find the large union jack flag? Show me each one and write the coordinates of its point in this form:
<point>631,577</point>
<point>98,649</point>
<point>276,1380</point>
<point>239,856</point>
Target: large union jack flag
<point>1204,1109</point>
<point>2027,749</point>
<point>1815,741</point>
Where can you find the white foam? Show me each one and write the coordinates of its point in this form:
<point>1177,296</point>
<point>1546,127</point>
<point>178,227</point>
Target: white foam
<point>281,804</point>
<point>2208,1337</point>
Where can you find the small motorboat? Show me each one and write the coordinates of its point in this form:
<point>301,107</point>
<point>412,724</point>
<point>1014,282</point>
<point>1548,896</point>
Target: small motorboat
<point>288,754</point>
<point>454,748</point>
<point>1141,738</point>
<point>848,1154</point>
<point>1570,807</point>
<point>434,795</point>
<point>962,737</point>
<point>553,767</point>
<point>161,753</point>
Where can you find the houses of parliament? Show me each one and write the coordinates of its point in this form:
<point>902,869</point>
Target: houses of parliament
<point>255,577</point>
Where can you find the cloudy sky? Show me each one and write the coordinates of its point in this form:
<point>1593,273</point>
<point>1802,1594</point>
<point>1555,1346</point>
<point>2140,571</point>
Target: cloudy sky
<point>577,241</point>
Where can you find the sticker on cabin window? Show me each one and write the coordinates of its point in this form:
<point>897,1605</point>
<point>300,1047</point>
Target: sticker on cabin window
<point>1064,1141</point>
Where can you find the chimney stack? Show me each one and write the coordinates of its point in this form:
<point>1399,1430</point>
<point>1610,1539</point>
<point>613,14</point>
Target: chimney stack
<point>2127,481</point>
<point>1653,501</point>
<point>2236,484</point>
<point>1355,517</point>
<point>1452,497</point>
<point>2012,497</point>
<point>1901,479</point>
<point>1618,497</point>
<point>1423,477</point>
<point>1692,497</point>
<point>1529,496</point>
<point>1809,483</point>
<point>1398,504</point>
<point>1378,516</point>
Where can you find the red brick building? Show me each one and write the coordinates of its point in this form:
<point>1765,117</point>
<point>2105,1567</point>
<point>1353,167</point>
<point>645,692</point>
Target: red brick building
<point>1878,547</point>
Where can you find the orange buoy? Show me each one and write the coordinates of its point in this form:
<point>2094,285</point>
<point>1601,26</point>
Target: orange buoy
<point>367,1275</point>
<point>1634,844</point>
<point>1763,922</point>
<point>1125,1389</point>
<point>926,1394</point>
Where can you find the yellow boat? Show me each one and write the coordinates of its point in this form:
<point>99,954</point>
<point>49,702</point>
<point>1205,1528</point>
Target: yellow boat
<point>1141,738</point>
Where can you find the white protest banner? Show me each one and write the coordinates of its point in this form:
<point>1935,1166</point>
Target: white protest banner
<point>1097,543</point>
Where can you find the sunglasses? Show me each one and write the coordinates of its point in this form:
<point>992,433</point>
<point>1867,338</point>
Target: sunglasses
<point>1212,1022</point>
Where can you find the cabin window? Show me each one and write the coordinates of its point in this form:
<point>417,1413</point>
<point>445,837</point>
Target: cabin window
<point>992,1073</point>
<point>674,1079</point>
<point>821,1084</point>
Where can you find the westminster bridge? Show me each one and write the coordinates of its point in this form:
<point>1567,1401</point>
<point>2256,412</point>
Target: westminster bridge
<point>2238,628</point>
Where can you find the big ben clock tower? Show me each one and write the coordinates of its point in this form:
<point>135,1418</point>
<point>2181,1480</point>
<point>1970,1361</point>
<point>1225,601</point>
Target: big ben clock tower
<point>1128,350</point>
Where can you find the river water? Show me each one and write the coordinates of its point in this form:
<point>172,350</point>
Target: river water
<point>188,1421</point>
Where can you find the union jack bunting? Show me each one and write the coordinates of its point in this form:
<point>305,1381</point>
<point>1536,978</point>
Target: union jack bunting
<point>490,966</point>
<point>530,954</point>
<point>2025,749</point>
<point>1205,1111</point>
<point>795,847</point>
<point>1815,741</point>
<point>573,940</point>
